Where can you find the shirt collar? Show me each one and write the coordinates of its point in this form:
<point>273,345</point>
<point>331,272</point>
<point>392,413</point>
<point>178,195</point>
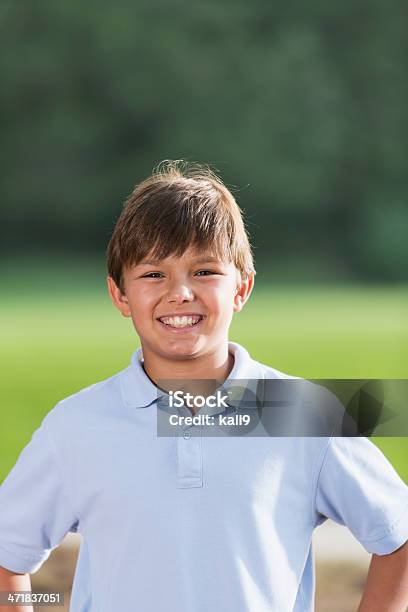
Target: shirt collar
<point>138,391</point>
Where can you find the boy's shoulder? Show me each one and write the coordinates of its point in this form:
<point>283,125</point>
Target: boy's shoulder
<point>323,413</point>
<point>88,404</point>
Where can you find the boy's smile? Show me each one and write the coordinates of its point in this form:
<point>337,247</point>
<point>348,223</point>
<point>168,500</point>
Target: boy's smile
<point>182,307</point>
<point>181,322</point>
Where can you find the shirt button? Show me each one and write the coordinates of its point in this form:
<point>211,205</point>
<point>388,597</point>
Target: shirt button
<point>186,435</point>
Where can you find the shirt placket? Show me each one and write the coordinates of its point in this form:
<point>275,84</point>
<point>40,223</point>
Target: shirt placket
<point>190,457</point>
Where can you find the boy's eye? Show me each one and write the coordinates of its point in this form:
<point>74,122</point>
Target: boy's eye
<point>205,272</point>
<point>152,275</point>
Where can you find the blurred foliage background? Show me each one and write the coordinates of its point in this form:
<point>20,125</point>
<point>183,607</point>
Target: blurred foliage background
<point>303,109</point>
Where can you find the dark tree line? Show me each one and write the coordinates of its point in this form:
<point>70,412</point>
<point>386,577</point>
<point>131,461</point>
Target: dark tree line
<point>303,109</point>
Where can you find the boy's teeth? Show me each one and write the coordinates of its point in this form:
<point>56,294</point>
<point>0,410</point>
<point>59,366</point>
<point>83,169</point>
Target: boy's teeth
<point>180,321</point>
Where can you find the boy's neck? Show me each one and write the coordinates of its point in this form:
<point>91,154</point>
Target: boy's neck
<point>215,366</point>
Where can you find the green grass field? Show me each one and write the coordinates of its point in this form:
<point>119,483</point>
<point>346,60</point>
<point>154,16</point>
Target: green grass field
<point>60,333</point>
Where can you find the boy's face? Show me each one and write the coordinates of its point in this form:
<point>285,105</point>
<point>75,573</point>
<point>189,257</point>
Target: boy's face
<point>181,307</point>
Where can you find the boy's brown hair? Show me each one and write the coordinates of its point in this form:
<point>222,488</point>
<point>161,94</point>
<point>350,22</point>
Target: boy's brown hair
<point>178,206</point>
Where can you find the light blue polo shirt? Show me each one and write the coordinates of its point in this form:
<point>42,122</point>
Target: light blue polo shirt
<point>188,523</point>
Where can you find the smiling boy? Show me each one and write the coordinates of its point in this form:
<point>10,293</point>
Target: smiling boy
<point>181,307</point>
<point>181,271</point>
<point>188,523</point>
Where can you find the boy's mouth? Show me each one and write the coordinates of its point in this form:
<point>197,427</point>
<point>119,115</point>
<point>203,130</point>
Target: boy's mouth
<point>181,322</point>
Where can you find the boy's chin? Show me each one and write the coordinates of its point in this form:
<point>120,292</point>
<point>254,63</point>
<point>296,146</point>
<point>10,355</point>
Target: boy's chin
<point>184,350</point>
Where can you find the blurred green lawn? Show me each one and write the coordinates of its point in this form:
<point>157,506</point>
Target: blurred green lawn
<point>59,333</point>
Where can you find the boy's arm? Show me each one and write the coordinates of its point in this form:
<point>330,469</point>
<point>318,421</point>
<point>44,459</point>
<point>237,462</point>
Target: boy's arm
<point>386,588</point>
<point>10,581</point>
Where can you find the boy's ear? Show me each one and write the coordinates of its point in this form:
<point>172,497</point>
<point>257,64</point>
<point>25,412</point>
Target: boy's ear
<point>118,299</point>
<point>243,292</point>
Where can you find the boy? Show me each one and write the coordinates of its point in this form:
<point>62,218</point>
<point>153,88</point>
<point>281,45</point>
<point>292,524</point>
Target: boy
<point>189,523</point>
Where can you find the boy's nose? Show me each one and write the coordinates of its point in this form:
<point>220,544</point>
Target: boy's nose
<point>180,293</point>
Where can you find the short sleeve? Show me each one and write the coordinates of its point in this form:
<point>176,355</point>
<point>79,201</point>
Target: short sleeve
<point>35,510</point>
<point>359,488</point>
